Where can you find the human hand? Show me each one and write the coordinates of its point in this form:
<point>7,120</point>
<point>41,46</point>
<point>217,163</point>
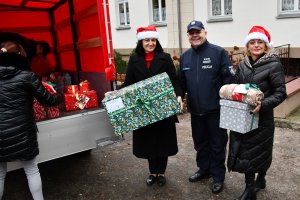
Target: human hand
<point>179,99</point>
<point>257,108</point>
<point>108,93</point>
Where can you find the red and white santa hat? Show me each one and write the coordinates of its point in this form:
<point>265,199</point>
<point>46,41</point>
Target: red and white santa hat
<point>259,32</point>
<point>147,32</point>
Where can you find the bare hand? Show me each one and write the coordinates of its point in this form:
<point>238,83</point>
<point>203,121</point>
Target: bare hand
<point>108,93</point>
<point>257,108</point>
<point>179,99</point>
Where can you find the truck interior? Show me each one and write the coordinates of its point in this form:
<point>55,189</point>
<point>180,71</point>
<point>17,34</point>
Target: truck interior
<point>79,36</point>
<point>78,33</point>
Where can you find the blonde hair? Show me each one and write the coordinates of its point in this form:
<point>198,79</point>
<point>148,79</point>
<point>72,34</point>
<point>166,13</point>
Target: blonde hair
<point>12,47</point>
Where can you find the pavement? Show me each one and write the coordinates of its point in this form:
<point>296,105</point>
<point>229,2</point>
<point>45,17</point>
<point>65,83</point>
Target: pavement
<point>114,173</point>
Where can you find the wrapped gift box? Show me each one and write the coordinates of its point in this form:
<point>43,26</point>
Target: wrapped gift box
<point>141,104</point>
<point>42,112</point>
<point>71,89</point>
<point>236,116</point>
<point>39,111</point>
<point>76,101</point>
<point>70,102</point>
<point>84,86</point>
<point>53,112</point>
<point>93,99</point>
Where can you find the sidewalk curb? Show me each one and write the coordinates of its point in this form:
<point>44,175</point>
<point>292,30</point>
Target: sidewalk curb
<point>285,123</point>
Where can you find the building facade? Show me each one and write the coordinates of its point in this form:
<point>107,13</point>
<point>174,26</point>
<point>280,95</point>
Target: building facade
<point>226,21</point>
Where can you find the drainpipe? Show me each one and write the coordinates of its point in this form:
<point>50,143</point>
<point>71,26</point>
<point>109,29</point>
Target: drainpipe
<point>179,27</point>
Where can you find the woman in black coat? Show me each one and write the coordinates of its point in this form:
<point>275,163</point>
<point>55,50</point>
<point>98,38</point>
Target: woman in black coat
<point>18,130</point>
<point>158,141</point>
<point>251,153</point>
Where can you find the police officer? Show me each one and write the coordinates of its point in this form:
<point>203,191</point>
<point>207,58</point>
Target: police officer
<point>204,69</point>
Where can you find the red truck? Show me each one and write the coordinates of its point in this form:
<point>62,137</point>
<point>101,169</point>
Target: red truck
<point>80,39</point>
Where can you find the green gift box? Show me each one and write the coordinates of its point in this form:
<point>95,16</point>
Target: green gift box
<point>141,104</point>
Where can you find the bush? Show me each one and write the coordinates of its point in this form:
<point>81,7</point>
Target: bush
<point>121,64</point>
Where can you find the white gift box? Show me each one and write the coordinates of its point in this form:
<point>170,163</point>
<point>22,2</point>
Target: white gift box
<point>236,116</point>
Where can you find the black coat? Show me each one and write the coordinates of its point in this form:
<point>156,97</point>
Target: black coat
<point>158,139</point>
<point>252,152</point>
<point>18,130</point>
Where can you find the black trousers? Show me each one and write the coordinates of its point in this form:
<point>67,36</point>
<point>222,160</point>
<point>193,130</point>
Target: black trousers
<point>158,165</point>
<point>210,143</point>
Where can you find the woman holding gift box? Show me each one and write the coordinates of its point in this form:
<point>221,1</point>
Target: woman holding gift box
<point>18,130</point>
<point>158,141</point>
<point>251,153</point>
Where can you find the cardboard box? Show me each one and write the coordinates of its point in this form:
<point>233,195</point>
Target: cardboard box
<point>236,116</point>
<point>141,104</point>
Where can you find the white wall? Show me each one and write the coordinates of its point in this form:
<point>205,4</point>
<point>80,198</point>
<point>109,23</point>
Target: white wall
<point>139,16</point>
<point>245,14</point>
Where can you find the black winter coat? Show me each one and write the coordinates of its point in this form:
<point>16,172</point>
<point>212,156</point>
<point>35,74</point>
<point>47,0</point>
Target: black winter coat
<point>158,139</point>
<point>252,152</point>
<point>18,130</point>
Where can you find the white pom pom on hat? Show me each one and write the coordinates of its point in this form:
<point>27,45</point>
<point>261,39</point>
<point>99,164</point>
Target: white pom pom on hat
<point>147,32</point>
<point>259,32</point>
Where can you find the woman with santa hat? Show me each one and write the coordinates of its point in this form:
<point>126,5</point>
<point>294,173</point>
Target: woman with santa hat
<point>155,142</point>
<point>251,153</point>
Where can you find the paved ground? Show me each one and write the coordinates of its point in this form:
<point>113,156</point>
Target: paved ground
<point>113,173</point>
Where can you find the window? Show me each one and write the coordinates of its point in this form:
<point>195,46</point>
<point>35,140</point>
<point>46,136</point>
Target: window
<point>220,10</point>
<point>159,10</point>
<point>123,11</point>
<point>289,8</point>
<point>290,5</point>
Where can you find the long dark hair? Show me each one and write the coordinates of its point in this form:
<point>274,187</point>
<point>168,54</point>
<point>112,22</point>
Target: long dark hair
<point>139,49</point>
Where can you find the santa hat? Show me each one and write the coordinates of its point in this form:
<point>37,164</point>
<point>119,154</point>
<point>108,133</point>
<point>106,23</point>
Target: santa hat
<point>147,32</point>
<point>259,32</point>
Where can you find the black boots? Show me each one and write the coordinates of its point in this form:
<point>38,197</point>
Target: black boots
<point>249,192</point>
<point>260,182</point>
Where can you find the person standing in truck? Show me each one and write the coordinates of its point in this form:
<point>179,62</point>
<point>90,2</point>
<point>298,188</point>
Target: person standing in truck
<point>40,63</point>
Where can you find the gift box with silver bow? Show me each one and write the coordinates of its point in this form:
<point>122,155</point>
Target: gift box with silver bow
<point>236,116</point>
<point>141,104</point>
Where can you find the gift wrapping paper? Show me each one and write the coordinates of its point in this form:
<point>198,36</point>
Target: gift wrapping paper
<point>53,112</point>
<point>71,89</point>
<point>70,102</point>
<point>252,96</point>
<point>236,116</point>
<point>84,86</point>
<point>141,104</point>
<point>93,99</point>
<point>39,111</point>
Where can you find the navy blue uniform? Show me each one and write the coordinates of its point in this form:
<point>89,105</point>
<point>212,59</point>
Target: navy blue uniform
<point>203,72</point>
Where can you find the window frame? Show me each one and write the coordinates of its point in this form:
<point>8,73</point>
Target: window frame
<point>125,5</point>
<point>160,22</point>
<point>290,13</point>
<point>221,18</point>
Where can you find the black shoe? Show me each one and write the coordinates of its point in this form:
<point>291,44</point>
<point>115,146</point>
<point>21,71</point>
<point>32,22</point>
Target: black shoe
<point>217,187</point>
<point>150,180</point>
<point>198,177</point>
<point>260,183</point>
<point>161,180</point>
